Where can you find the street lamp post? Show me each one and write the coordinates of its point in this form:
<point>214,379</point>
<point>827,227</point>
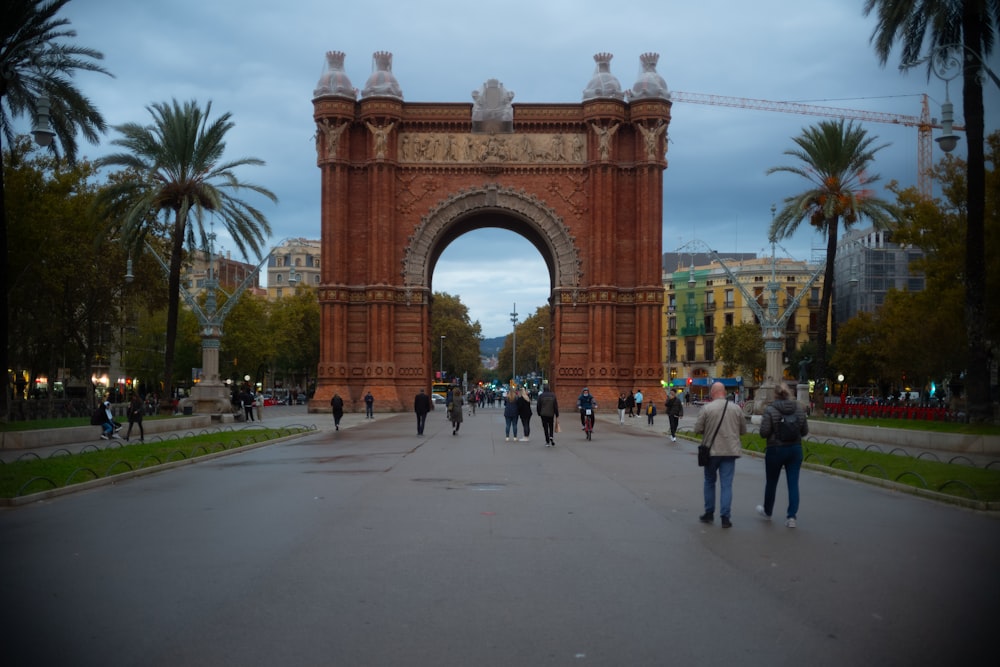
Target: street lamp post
<point>771,321</point>
<point>540,366</point>
<point>513,347</point>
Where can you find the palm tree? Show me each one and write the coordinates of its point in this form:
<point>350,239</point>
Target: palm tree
<point>177,170</point>
<point>35,63</point>
<point>972,26</point>
<point>835,156</point>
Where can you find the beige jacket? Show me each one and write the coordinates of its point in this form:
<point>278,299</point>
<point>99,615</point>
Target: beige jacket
<point>727,442</point>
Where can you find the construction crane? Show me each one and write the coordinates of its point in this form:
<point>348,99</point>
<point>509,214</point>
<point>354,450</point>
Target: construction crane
<point>924,123</point>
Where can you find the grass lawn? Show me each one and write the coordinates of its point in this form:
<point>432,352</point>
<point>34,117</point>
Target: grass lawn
<point>34,475</point>
<point>955,479</point>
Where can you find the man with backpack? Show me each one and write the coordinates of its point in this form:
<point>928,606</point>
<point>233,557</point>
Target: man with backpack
<point>783,425</point>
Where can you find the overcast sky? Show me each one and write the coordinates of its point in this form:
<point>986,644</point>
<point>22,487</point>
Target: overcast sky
<point>261,61</point>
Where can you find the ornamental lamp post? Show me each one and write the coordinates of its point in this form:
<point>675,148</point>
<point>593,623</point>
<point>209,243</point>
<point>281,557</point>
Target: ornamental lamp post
<point>41,129</point>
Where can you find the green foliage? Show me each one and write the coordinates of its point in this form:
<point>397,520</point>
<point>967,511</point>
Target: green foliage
<point>176,168</point>
<point>450,318</point>
<point>860,351</point>
<point>293,330</point>
<point>922,335</point>
<point>72,469</point>
<point>533,349</point>
<point>64,276</point>
<point>919,473</point>
<point>741,348</point>
<point>836,157</point>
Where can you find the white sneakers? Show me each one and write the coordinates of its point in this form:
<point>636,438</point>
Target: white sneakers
<point>789,522</point>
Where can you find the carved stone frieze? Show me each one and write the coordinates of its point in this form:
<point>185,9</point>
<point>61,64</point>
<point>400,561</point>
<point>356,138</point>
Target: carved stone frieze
<point>459,148</point>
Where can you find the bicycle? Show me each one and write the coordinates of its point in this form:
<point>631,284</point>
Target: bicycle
<point>588,422</point>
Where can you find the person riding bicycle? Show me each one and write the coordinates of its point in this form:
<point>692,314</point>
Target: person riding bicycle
<point>585,402</point>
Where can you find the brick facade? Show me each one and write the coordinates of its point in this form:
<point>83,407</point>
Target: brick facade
<point>399,180</point>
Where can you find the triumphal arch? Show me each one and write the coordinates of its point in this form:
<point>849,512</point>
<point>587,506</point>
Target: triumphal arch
<point>401,180</point>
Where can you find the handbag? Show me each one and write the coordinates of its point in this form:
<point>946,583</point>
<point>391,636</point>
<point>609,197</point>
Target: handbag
<point>705,452</point>
<point>557,429</point>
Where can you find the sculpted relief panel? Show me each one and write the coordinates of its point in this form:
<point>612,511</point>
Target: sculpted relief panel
<point>456,148</point>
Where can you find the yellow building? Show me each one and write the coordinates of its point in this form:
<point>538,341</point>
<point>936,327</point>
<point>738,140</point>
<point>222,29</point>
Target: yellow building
<point>295,263</point>
<point>702,300</point>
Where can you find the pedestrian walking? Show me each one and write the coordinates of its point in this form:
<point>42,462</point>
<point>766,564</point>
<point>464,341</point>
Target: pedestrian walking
<point>675,410</point>
<point>721,427</point>
<point>638,401</point>
<point>630,404</point>
<point>622,405</point>
<point>524,413</point>
<point>421,406</point>
<point>783,425</point>
<point>456,410</point>
<point>510,415</point>
<point>135,410</point>
<point>369,406</point>
<point>337,407</point>
<point>259,404</point>
<point>548,412</point>
<point>246,400</point>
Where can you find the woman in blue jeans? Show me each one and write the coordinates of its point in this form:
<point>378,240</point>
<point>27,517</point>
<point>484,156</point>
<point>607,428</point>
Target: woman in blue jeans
<point>783,425</point>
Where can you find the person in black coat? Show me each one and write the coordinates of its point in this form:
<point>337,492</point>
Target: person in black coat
<point>524,412</point>
<point>337,406</point>
<point>421,406</point>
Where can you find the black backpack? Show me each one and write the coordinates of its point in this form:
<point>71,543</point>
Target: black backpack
<point>99,416</point>
<point>787,428</point>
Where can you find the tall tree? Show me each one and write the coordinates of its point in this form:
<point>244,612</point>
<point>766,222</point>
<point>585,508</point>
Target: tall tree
<point>971,26</point>
<point>35,61</point>
<point>178,170</point>
<point>741,349</point>
<point>835,156</point>
<point>450,318</point>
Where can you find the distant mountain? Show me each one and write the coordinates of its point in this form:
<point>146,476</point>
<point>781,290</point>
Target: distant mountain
<point>490,346</point>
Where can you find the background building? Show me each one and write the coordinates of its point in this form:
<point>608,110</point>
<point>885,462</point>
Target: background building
<point>701,300</point>
<point>868,265</point>
<point>294,263</point>
<point>231,273</point>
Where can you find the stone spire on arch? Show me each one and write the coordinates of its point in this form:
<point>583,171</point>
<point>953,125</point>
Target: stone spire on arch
<point>382,82</point>
<point>603,83</point>
<point>650,83</point>
<point>334,81</point>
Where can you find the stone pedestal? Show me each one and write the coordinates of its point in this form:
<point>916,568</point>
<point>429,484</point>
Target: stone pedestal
<point>802,394</point>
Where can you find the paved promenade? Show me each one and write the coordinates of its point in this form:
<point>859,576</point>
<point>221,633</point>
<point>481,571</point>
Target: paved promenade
<point>371,546</point>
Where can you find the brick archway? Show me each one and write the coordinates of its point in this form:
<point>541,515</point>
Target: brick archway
<point>400,181</point>
<point>492,206</point>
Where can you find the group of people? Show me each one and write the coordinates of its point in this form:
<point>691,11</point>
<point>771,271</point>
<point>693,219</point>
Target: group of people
<point>783,425</point>
<point>631,405</point>
<point>105,418</point>
<point>720,422</point>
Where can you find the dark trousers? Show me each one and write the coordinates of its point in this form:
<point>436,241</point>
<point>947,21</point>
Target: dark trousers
<point>421,420</point>
<point>248,413</point>
<point>142,436</point>
<point>674,421</point>
<point>548,426</point>
<point>526,426</point>
<point>776,458</point>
